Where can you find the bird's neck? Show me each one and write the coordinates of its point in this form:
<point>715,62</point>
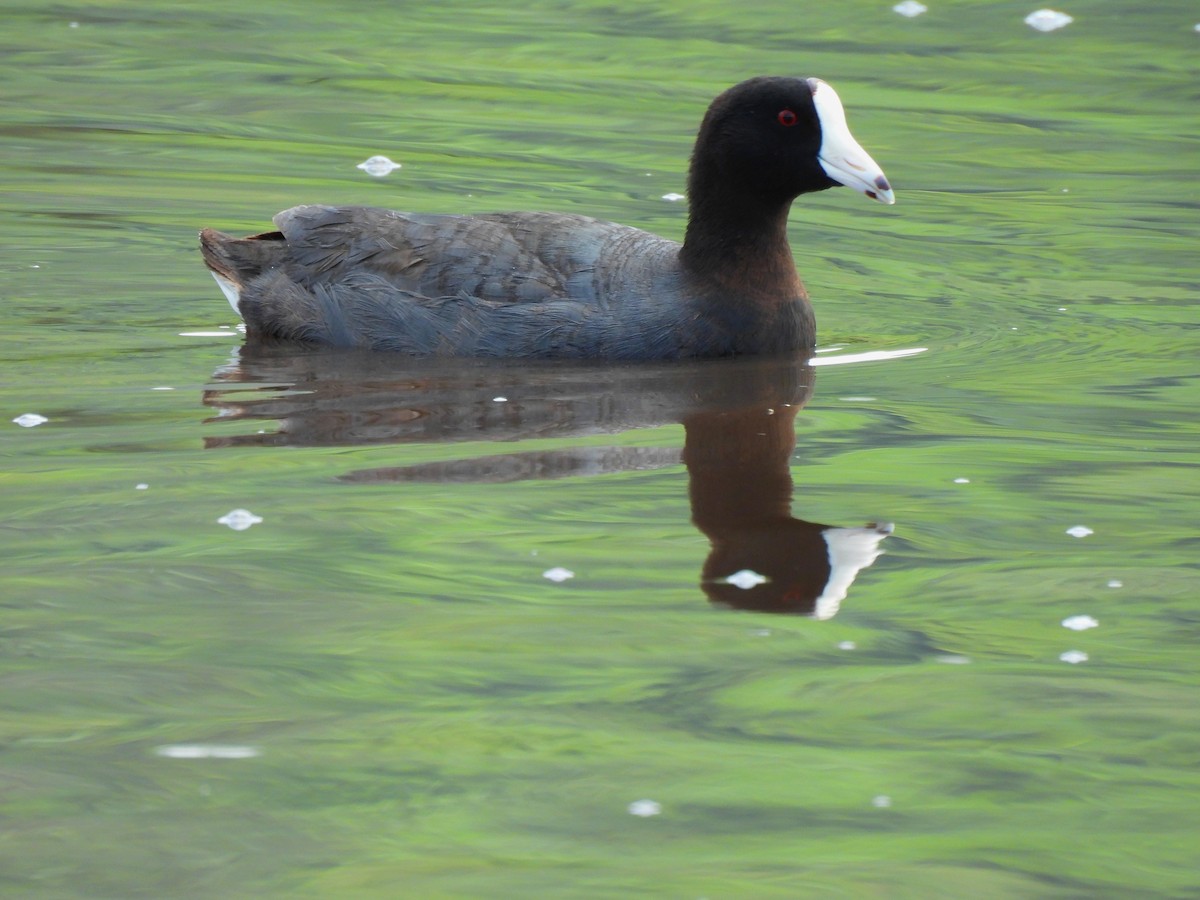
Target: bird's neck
<point>739,243</point>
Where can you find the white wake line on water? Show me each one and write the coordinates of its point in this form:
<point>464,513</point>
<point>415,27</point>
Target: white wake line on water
<point>869,356</point>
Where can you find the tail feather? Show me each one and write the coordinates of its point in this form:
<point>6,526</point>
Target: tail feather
<point>240,259</point>
<point>234,262</point>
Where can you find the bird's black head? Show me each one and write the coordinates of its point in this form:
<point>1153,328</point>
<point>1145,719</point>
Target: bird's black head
<point>773,138</point>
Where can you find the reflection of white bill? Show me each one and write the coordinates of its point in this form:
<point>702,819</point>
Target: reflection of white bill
<point>850,549</point>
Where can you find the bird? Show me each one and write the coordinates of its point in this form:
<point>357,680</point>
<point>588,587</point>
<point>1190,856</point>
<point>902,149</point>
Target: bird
<point>556,285</point>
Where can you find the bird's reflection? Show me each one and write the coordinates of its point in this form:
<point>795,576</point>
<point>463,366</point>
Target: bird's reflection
<point>739,433</point>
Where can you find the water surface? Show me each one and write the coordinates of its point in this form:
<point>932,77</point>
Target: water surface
<point>375,691</point>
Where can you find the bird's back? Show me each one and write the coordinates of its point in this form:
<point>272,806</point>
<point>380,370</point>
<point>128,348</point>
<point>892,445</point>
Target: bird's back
<point>503,284</point>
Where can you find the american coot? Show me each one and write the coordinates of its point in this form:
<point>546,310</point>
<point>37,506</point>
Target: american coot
<point>556,285</point>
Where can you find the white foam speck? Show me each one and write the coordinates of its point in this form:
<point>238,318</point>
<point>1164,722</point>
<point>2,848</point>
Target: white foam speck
<point>499,399</point>
<point>644,808</point>
<point>223,334</point>
<point>882,801</point>
<point>207,751</point>
<point>141,487</point>
<point>962,480</point>
<point>1116,584</point>
<point>746,579</point>
<point>673,197</point>
<point>1079,623</point>
<point>239,519</point>
<point>1073,656</point>
<point>857,399</point>
<point>1079,531</point>
<point>558,573</point>
<point>847,645</point>
<point>378,166</point>
<point>162,388</point>
<point>1048,20</point>
<point>30,420</point>
<point>953,659</point>
<point>910,8</point>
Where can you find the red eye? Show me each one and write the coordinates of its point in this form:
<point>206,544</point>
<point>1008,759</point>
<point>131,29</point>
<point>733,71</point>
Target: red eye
<point>787,118</point>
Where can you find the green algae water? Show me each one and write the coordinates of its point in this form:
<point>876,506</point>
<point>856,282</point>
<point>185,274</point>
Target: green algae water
<point>478,632</point>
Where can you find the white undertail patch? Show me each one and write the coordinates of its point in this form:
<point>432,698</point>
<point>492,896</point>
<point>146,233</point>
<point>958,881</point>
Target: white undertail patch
<point>230,290</point>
